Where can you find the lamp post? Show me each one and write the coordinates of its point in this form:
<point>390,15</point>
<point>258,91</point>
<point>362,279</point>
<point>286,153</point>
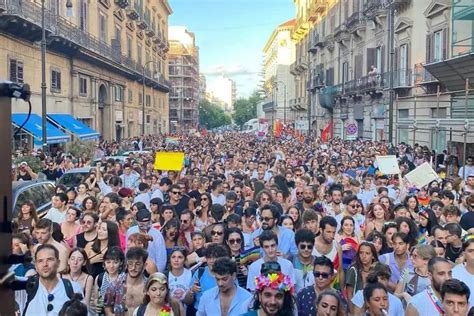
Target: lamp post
<point>143,93</point>
<point>43,72</point>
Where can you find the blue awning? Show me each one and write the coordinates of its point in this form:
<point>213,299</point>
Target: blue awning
<point>70,124</point>
<point>33,127</point>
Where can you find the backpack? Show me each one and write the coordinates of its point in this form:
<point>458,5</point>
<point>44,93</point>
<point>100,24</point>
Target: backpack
<point>32,285</point>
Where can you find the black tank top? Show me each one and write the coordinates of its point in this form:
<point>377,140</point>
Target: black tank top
<point>81,240</point>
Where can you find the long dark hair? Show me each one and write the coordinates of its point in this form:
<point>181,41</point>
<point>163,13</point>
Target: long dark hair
<point>113,238</point>
<point>85,267</point>
<point>288,306</point>
<point>357,263</point>
<point>431,217</point>
<point>170,224</point>
<point>232,230</point>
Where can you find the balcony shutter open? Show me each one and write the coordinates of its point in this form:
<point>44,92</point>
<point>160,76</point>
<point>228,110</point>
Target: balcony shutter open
<point>429,55</point>
<point>370,58</point>
<point>445,44</point>
<point>358,60</point>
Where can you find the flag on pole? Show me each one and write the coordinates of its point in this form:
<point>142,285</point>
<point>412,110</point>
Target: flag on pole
<point>326,132</point>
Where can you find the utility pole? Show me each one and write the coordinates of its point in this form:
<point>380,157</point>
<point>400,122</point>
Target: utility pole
<point>391,49</point>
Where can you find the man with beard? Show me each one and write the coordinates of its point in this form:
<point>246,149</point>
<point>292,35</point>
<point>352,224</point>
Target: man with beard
<point>47,292</point>
<point>124,299</point>
<point>270,217</point>
<point>44,234</point>
<point>89,233</point>
<point>269,243</point>
<point>335,206</point>
<point>308,199</point>
<point>227,297</point>
<point>325,245</point>
<point>428,302</point>
<point>156,245</point>
<point>273,296</point>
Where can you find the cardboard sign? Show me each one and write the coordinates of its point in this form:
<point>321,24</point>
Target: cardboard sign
<point>169,161</point>
<point>388,164</point>
<point>422,175</point>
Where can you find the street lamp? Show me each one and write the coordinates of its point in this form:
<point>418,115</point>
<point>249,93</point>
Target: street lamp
<point>43,71</point>
<point>143,93</point>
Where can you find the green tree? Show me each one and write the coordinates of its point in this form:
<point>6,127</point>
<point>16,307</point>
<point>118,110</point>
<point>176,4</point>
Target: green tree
<point>212,115</point>
<point>246,109</point>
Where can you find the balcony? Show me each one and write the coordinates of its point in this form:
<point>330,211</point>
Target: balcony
<point>329,42</point>
<point>317,7</point>
<point>354,89</point>
<point>302,64</point>
<point>142,24</point>
<point>67,38</point>
<point>402,79</point>
<point>341,34</point>
<point>373,8</point>
<point>327,97</point>
<point>317,82</point>
<point>423,76</point>
<point>122,3</point>
<point>133,12</point>
<point>293,70</point>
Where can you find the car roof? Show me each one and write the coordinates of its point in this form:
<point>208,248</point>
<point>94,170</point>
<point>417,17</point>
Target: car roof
<point>79,170</point>
<point>16,185</point>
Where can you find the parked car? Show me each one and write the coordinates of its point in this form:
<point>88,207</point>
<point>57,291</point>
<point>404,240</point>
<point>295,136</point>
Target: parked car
<point>73,177</point>
<point>121,159</point>
<point>40,192</point>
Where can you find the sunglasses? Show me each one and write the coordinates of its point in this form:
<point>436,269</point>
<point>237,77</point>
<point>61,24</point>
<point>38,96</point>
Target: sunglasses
<point>268,267</point>
<point>303,246</point>
<point>323,275</point>
<point>176,192</point>
<point>299,193</point>
<point>217,233</point>
<point>266,219</point>
<point>184,221</point>
<point>204,199</point>
<point>235,241</point>
<point>50,306</point>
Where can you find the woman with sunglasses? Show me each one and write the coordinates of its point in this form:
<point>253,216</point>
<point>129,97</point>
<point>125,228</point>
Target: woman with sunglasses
<point>170,234</point>
<point>202,211</point>
<point>357,274</point>
<point>235,242</point>
<point>216,234</point>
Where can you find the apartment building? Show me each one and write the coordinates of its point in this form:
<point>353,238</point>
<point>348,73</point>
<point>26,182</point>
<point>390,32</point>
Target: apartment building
<point>96,60</point>
<point>279,53</point>
<point>184,76</point>
<point>351,71</point>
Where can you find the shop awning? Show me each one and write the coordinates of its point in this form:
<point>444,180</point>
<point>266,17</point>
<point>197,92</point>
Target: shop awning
<point>453,72</point>
<point>33,127</point>
<point>74,126</point>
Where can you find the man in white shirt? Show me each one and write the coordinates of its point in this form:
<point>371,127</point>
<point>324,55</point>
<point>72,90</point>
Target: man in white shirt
<point>269,243</point>
<point>468,167</point>
<point>57,213</point>
<point>52,291</point>
<point>216,193</point>
<point>465,272</point>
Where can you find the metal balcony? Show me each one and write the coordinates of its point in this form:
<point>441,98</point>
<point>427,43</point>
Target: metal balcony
<point>317,82</point>
<point>402,79</point>
<point>317,6</point>
<point>122,3</point>
<point>132,12</point>
<point>293,70</point>
<point>341,34</point>
<point>373,8</point>
<point>423,76</point>
<point>141,23</point>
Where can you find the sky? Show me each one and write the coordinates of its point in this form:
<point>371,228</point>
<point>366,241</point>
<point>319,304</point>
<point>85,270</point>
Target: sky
<point>231,35</point>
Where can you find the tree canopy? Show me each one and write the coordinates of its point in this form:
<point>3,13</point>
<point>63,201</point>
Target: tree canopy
<point>212,115</point>
<point>246,109</point>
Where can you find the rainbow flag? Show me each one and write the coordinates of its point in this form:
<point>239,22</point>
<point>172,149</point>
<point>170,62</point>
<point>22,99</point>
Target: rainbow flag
<point>171,140</point>
<point>250,255</point>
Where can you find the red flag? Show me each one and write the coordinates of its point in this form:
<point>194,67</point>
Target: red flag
<point>326,132</point>
<point>204,132</point>
<point>277,128</point>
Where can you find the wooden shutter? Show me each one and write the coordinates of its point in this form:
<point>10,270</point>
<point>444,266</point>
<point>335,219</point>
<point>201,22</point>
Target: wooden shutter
<point>428,49</point>
<point>370,58</point>
<point>13,70</point>
<point>19,71</point>
<point>358,60</point>
<point>445,44</point>
<point>382,57</point>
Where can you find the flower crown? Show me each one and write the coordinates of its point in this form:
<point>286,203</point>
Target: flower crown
<point>276,281</point>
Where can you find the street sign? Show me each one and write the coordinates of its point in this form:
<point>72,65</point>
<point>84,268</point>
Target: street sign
<point>351,131</point>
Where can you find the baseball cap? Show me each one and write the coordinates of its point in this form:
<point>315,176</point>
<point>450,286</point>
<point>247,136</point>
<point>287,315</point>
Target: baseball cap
<point>143,215</point>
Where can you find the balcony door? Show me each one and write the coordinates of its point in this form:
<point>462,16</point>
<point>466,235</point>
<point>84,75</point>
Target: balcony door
<point>402,72</point>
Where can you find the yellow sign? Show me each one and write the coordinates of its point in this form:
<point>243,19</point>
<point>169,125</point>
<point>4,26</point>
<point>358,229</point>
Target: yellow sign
<point>169,161</point>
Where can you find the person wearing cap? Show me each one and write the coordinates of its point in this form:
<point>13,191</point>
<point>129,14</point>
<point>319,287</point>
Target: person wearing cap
<point>156,246</point>
<point>25,173</point>
<point>162,190</point>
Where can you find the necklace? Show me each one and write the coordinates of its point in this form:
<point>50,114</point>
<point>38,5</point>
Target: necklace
<point>72,279</point>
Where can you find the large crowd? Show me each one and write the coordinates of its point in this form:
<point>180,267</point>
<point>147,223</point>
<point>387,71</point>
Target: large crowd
<point>248,227</point>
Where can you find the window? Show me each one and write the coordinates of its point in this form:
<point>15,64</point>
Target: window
<point>403,80</point>
<point>102,27</point>
<point>148,100</point>
<point>148,119</point>
<point>378,59</point>
<point>140,98</point>
<point>118,93</point>
<point>118,33</point>
<point>403,113</point>
<point>129,47</point>
<point>438,113</point>
<point>345,72</point>
<point>83,15</point>
<point>55,80</point>
<point>83,86</point>
<point>139,54</point>
<point>16,71</point>
<point>130,96</point>
<point>438,46</point>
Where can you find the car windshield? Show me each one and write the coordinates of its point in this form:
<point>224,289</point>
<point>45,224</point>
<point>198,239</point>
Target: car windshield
<point>72,179</point>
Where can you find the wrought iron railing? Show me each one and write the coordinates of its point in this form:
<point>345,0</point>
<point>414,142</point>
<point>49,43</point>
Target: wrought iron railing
<point>58,26</point>
<point>353,20</point>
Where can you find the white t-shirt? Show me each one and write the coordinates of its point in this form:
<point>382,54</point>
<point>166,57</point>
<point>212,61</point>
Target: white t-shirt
<point>423,304</point>
<point>460,273</point>
<point>395,306</point>
<point>56,216</point>
<point>180,285</point>
<point>39,304</point>
<point>254,271</point>
<point>220,199</point>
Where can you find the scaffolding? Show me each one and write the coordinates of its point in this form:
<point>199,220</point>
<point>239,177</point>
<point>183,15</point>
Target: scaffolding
<point>460,126</point>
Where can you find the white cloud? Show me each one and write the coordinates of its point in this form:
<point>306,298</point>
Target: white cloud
<point>229,71</point>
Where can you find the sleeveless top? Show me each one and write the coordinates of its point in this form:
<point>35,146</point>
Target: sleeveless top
<point>331,255</point>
